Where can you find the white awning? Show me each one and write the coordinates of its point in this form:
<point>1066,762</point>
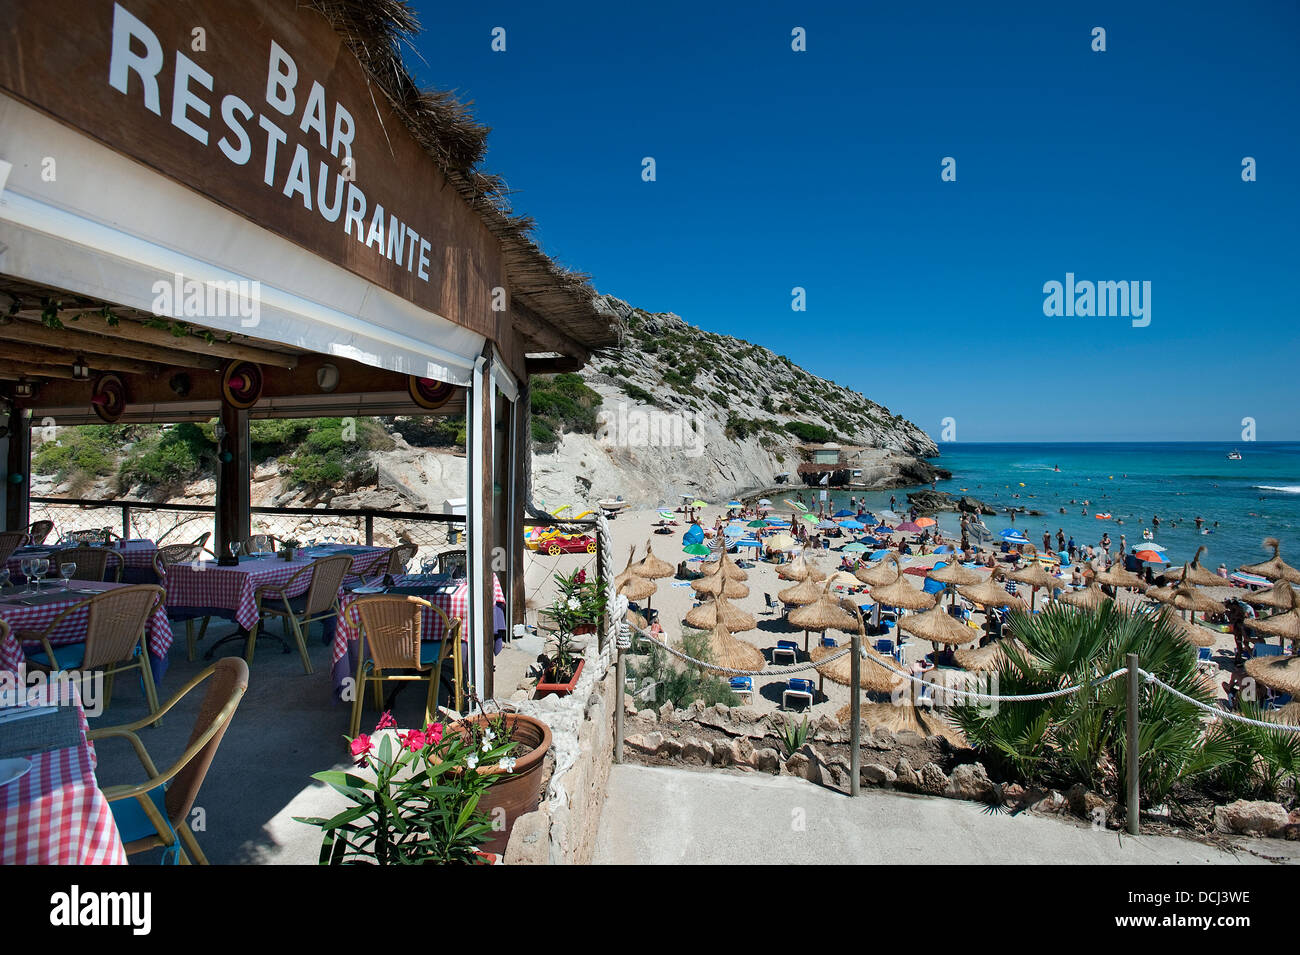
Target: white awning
<point>101,225</point>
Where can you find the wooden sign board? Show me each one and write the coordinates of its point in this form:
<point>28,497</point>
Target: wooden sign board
<point>261,107</point>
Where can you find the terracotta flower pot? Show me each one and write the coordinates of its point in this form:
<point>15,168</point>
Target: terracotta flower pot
<point>584,628</point>
<point>517,792</point>
<point>545,686</point>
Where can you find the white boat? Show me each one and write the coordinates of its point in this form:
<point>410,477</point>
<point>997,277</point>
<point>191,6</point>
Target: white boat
<point>1234,455</point>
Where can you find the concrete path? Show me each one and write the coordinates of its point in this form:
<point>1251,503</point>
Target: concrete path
<point>669,816</point>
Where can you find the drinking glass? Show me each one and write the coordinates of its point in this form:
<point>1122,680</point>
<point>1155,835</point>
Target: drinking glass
<point>67,570</point>
<point>236,547</point>
<point>41,567</point>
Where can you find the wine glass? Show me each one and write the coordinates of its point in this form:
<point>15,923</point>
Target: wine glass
<point>26,567</point>
<point>236,547</point>
<point>41,567</point>
<point>67,569</point>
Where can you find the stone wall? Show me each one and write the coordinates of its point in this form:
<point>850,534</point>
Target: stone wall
<point>563,829</point>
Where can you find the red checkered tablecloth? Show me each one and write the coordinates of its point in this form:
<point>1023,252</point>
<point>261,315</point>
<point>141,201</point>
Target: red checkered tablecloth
<point>56,814</point>
<point>233,590</point>
<point>454,604</point>
<point>158,633</point>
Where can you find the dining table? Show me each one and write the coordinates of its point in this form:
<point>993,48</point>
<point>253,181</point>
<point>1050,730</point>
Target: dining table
<point>54,813</point>
<point>136,556</point>
<point>34,608</point>
<point>451,595</point>
<point>204,587</point>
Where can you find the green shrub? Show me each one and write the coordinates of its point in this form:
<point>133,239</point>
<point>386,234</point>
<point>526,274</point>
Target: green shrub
<point>678,682</point>
<point>635,392</point>
<point>810,433</point>
<point>170,456</point>
<point>432,431</point>
<point>82,451</point>
<point>563,403</point>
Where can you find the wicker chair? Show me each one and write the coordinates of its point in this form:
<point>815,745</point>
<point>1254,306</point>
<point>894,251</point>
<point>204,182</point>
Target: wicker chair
<point>96,535</point>
<point>268,543</point>
<point>10,541</point>
<point>320,602</point>
<point>115,626</point>
<point>37,531</point>
<point>453,562</point>
<point>92,562</point>
<point>390,641</point>
<point>399,557</point>
<point>154,813</point>
<point>170,554</point>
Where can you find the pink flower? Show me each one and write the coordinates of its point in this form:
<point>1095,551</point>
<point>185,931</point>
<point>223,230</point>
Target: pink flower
<point>434,732</point>
<point>385,722</point>
<point>580,577</point>
<point>414,740</point>
<point>361,747</point>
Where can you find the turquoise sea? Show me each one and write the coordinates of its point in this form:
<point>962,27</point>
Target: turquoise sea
<point>1254,498</point>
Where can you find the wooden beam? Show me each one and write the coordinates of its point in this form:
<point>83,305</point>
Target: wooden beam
<point>133,330</point>
<point>60,358</point>
<point>22,369</point>
<point>234,481</point>
<point>552,366</point>
<point>533,327</point>
<point>81,342</point>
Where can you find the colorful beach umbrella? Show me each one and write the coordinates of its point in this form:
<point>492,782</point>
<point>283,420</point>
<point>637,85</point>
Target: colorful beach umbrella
<point>853,525</point>
<point>908,527</point>
<point>1149,556</point>
<point>926,522</point>
<point>843,512</point>
<point>854,548</point>
<point>697,550</point>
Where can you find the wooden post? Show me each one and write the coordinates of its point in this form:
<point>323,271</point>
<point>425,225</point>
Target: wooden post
<point>522,445</point>
<point>1134,809</point>
<point>484,496</point>
<point>18,463</point>
<point>234,480</point>
<point>855,717</point>
<point>620,676</point>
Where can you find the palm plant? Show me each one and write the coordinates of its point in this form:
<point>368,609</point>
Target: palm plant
<point>1260,758</point>
<point>1082,737</point>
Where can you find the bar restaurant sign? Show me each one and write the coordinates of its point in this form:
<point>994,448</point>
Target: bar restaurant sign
<point>262,108</point>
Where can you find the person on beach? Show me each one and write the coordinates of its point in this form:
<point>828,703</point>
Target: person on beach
<point>1071,547</point>
<point>1223,571</point>
<point>893,503</point>
<point>1123,544</point>
<point>1105,542</point>
<point>1047,540</point>
<point>1060,539</point>
<point>1155,521</point>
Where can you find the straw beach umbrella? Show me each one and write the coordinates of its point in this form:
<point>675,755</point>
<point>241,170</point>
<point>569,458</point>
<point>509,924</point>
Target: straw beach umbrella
<point>903,595</point>
<point>1194,573</point>
<point>872,676</point>
<point>1278,597</point>
<point>1196,636</point>
<point>1284,625</point>
<point>1274,568</point>
<point>821,615</point>
<point>726,652</point>
<point>627,570</point>
<point>800,594</point>
<point>1277,673</point>
<point>1089,598</point>
<point>728,567</point>
<point>907,716</point>
<point>937,626</point>
<point>707,616</point>
<point>651,567</point>
<point>1117,576</point>
<point>1186,597</point>
<point>952,576</point>
<point>885,572</point>
<point>990,594</point>
<point>718,584</point>
<point>799,569</point>
<point>637,588</point>
<point>1036,577</point>
<point>984,659</point>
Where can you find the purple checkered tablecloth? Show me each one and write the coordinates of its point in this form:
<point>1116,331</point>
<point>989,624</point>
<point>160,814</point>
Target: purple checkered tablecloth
<point>233,590</point>
<point>19,616</point>
<point>135,555</point>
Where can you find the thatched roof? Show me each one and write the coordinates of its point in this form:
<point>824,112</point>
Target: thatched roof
<point>718,583</point>
<point>728,567</point>
<point>707,615</point>
<point>637,588</point>
<point>1194,573</point>
<point>991,594</point>
<point>1280,597</point>
<point>885,572</point>
<point>955,574</point>
<point>824,613</point>
<point>729,653</point>
<point>804,592</point>
<point>650,566</point>
<point>1275,568</point>
<point>1278,673</point>
<point>375,31</point>
<point>938,626</point>
<point>872,677</point>
<point>1089,598</point>
<point>904,716</point>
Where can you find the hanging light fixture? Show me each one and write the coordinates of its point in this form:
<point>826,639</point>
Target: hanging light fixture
<point>23,388</point>
<point>80,370</point>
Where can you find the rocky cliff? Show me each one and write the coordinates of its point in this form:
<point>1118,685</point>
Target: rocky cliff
<point>687,411</point>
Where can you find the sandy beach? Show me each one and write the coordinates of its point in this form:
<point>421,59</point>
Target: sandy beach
<point>674,598</point>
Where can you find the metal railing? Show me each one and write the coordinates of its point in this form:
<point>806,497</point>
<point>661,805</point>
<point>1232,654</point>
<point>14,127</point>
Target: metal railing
<point>180,523</point>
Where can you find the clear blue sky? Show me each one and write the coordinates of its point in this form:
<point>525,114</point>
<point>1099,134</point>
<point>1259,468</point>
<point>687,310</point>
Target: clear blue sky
<point>822,169</point>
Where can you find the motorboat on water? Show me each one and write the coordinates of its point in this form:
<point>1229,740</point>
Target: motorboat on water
<point>1234,455</point>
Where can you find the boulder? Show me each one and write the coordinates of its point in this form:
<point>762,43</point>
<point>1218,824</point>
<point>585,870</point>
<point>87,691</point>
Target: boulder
<point>1083,802</point>
<point>695,750</point>
<point>1251,817</point>
<point>649,715</point>
<point>933,780</point>
<point>767,760</point>
<point>722,753</point>
<point>873,774</point>
<point>530,842</point>
<point>905,775</point>
<point>969,781</point>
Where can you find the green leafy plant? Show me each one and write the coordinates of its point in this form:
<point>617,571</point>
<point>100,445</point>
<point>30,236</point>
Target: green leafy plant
<point>579,602</point>
<point>681,684</point>
<point>794,735</point>
<point>1081,737</point>
<point>419,802</point>
<point>1258,759</point>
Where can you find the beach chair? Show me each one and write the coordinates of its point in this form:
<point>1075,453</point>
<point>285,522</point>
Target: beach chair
<point>797,689</point>
<point>1203,654</point>
<point>829,642</point>
<point>1267,650</point>
<point>155,813</point>
<point>742,686</point>
<point>770,604</point>
<point>885,647</point>
<point>786,649</point>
